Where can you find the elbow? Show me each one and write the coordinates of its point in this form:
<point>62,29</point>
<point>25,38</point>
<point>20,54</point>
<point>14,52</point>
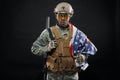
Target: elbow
<point>34,50</point>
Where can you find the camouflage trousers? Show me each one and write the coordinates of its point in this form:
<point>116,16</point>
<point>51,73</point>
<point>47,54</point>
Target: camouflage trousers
<point>62,76</point>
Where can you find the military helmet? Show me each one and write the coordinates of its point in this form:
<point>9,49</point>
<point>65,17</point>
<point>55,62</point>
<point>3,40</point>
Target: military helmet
<point>64,7</point>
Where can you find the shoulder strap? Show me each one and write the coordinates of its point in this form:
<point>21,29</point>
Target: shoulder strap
<point>56,32</point>
<point>50,34</point>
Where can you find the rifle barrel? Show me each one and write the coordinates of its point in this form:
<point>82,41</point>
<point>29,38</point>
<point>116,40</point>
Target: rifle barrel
<point>48,22</point>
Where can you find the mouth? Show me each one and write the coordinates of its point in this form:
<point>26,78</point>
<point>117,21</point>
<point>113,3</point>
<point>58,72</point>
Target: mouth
<point>63,22</point>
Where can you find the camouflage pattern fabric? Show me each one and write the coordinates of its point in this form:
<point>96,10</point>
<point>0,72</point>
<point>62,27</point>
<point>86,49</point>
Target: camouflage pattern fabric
<point>62,76</point>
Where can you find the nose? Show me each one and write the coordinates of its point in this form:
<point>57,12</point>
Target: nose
<point>63,18</point>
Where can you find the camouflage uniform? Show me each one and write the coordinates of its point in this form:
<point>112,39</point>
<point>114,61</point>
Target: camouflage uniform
<point>62,76</point>
<point>40,48</point>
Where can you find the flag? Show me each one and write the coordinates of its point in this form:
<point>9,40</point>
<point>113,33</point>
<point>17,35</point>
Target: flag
<point>80,44</point>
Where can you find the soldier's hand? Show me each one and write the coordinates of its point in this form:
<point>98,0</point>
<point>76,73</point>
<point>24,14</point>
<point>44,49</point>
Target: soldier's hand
<point>52,44</point>
<point>80,58</point>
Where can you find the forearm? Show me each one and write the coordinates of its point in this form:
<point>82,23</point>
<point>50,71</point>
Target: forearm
<point>39,50</point>
<point>40,46</point>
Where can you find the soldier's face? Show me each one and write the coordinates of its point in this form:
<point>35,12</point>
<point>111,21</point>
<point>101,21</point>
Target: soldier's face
<point>63,19</point>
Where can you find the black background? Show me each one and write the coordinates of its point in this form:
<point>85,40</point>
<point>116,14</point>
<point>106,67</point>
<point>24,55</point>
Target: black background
<point>24,20</point>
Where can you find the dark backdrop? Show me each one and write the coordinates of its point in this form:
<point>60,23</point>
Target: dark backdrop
<point>23,21</point>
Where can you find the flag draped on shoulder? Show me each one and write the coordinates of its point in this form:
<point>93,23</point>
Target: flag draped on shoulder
<point>80,44</point>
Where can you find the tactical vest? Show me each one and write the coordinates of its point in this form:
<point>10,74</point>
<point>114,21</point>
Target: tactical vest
<point>61,60</point>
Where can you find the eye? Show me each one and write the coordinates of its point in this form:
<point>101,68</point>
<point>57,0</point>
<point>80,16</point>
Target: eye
<point>61,15</point>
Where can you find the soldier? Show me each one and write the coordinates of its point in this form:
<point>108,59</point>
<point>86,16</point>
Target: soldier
<point>68,52</point>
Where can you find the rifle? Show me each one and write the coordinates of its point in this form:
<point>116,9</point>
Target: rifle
<point>48,28</point>
<point>45,56</point>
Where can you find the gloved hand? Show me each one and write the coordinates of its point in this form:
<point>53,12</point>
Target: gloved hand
<point>80,58</point>
<point>52,44</point>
